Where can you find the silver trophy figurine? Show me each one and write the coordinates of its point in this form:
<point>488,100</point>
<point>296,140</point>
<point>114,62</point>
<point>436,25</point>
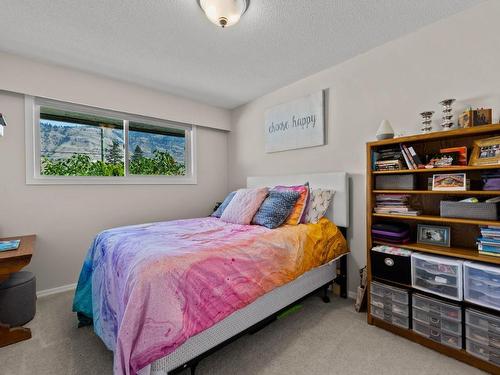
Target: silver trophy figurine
<point>426,121</point>
<point>447,115</point>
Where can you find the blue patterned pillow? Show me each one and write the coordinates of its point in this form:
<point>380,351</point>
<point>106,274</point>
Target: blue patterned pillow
<point>218,212</point>
<point>276,208</point>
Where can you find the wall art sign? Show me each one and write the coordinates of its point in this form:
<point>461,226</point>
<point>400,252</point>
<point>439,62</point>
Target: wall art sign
<point>296,124</point>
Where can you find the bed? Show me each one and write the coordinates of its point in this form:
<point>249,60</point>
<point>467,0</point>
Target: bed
<point>163,295</point>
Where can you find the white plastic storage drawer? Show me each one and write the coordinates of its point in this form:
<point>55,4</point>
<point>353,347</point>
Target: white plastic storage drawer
<point>481,320</point>
<point>483,337</point>
<point>482,284</point>
<point>390,304</point>
<point>445,310</point>
<point>438,275</point>
<point>389,316</point>
<point>388,292</point>
<point>455,341</point>
<point>484,352</point>
<point>384,303</point>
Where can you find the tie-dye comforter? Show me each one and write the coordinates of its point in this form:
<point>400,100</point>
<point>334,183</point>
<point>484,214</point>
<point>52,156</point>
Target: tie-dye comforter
<point>150,287</point>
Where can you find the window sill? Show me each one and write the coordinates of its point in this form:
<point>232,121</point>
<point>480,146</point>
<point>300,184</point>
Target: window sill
<point>130,180</point>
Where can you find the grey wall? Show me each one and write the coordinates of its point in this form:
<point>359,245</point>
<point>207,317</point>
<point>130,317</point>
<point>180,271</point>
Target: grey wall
<point>457,57</point>
<point>67,217</point>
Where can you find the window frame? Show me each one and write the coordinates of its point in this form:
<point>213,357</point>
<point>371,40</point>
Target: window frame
<point>33,157</point>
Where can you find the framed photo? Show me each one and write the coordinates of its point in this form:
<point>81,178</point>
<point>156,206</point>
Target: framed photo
<point>486,152</point>
<point>475,117</point>
<point>449,182</point>
<point>433,235</point>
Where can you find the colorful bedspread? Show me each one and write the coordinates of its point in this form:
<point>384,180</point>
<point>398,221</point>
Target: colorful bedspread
<point>150,287</point>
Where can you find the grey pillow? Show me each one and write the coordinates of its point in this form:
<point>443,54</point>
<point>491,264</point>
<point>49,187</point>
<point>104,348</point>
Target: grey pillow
<point>218,212</point>
<point>276,208</point>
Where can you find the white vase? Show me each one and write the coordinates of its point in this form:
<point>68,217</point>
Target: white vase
<point>385,130</point>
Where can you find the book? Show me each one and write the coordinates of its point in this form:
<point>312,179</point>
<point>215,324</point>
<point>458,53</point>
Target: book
<point>410,157</point>
<point>489,240</point>
<point>488,253</point>
<point>489,249</point>
<point>415,157</point>
<point>9,245</point>
<point>406,157</point>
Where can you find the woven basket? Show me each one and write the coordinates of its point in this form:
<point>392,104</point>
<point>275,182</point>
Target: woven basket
<point>468,210</point>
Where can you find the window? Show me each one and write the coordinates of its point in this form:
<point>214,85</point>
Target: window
<point>68,143</point>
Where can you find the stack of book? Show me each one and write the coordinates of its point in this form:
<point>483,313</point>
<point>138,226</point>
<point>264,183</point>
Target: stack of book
<point>489,242</point>
<point>394,204</point>
<point>389,159</point>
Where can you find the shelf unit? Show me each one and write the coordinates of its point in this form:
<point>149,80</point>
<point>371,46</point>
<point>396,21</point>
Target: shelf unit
<point>437,219</point>
<point>440,170</point>
<point>466,230</point>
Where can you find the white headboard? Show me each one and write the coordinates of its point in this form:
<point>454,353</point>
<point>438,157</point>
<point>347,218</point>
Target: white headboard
<point>338,212</point>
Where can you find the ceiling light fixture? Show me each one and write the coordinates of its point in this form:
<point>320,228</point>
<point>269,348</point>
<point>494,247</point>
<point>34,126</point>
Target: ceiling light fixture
<point>224,13</point>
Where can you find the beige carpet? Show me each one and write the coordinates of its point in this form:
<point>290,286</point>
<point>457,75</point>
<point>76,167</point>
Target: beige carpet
<point>319,339</point>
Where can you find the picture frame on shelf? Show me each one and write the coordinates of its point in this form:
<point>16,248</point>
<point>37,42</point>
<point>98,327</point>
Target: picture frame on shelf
<point>475,117</point>
<point>485,152</point>
<point>433,235</point>
<point>449,182</point>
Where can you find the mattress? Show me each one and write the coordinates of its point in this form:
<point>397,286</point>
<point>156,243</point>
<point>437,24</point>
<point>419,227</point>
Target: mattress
<point>151,287</point>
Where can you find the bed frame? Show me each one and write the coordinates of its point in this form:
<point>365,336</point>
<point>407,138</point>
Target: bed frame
<point>266,308</point>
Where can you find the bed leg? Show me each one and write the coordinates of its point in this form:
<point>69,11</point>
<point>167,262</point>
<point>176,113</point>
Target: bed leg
<point>324,294</point>
<point>192,368</point>
<point>343,277</point>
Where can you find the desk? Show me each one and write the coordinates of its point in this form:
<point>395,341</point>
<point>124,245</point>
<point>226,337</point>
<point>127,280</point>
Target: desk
<point>10,262</point>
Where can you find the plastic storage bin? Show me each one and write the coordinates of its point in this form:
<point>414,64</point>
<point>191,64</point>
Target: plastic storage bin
<point>438,275</point>
<point>392,293</point>
<point>455,341</point>
<point>445,310</point>
<point>390,304</point>
<point>395,307</point>
<point>390,317</point>
<point>487,322</point>
<point>439,321</point>
<point>482,284</point>
<point>484,352</point>
<point>483,337</point>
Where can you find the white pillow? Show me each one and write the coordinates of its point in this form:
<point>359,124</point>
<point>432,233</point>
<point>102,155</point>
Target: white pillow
<point>318,204</point>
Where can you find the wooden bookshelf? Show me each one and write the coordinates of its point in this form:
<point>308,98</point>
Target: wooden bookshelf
<point>438,219</point>
<point>463,230</point>
<point>434,192</point>
<point>457,252</point>
<point>489,130</point>
<point>464,168</point>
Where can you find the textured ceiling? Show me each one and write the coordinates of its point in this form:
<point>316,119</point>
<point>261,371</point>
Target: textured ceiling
<point>171,46</point>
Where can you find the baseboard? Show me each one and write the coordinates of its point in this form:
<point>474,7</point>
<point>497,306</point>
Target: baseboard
<point>59,289</point>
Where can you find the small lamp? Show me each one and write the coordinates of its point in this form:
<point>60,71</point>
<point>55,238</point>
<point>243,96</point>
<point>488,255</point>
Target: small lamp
<point>3,124</point>
<point>385,130</point>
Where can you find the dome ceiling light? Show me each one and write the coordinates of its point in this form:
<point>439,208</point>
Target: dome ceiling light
<point>224,13</point>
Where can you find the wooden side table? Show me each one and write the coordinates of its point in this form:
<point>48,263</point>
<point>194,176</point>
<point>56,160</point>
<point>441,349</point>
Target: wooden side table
<point>10,262</point>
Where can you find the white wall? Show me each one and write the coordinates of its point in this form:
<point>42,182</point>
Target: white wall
<point>67,217</point>
<point>26,76</point>
<point>457,57</point>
